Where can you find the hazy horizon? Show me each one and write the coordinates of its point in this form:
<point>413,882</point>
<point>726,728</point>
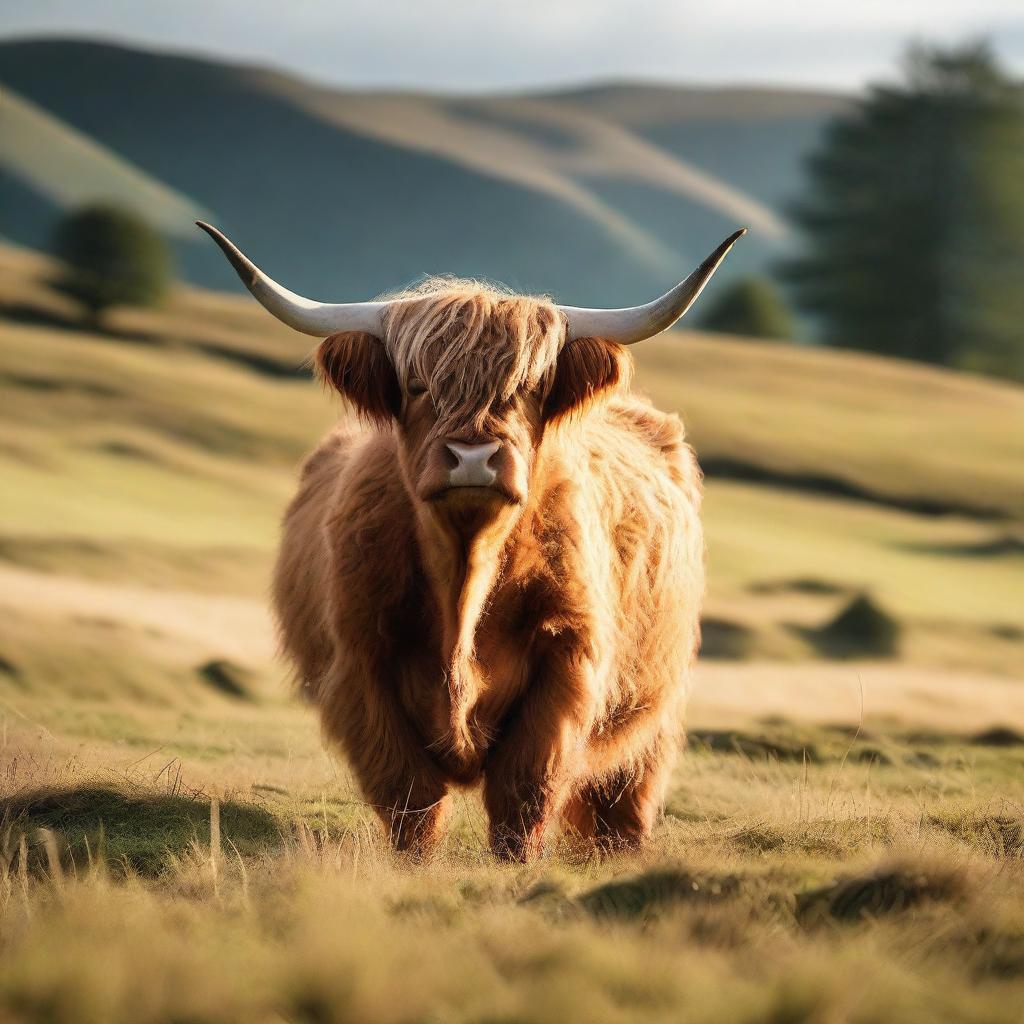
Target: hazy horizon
<point>457,46</point>
<point>595,81</point>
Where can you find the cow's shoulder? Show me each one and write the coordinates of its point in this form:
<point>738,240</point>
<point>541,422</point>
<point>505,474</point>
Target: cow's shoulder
<point>332,453</point>
<point>635,416</point>
<point>628,442</point>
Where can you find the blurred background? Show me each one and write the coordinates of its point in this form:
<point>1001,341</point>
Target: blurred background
<point>851,379</point>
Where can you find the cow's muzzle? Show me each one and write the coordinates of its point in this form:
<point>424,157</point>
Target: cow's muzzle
<point>458,467</point>
<point>472,464</point>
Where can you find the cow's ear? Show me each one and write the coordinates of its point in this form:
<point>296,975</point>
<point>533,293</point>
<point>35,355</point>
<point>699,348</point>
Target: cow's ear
<point>357,365</point>
<point>586,368</point>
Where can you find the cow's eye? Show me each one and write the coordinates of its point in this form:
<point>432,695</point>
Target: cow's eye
<point>415,387</point>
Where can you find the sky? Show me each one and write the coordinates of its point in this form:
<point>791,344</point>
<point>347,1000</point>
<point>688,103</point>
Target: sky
<point>462,45</point>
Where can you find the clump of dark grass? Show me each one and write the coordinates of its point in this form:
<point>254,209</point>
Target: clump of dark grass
<point>759,747</point>
<point>995,835</point>
<point>227,678</point>
<point>799,585</point>
<point>723,638</point>
<point>863,628</point>
<point>872,755</point>
<point>644,896</point>
<point>998,736</point>
<point>818,837</point>
<point>886,891</point>
<point>550,899</point>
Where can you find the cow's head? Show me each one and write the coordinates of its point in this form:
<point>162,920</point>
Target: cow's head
<point>471,377</point>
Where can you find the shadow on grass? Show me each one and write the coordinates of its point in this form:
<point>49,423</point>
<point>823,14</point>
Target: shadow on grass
<point>264,365</point>
<point>138,832</point>
<point>1001,545</point>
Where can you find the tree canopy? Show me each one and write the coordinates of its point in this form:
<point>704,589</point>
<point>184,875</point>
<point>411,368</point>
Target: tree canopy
<point>752,307</point>
<point>913,221</point>
<point>113,258</point>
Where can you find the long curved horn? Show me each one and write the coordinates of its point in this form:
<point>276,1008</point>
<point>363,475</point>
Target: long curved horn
<point>636,323</point>
<point>317,318</point>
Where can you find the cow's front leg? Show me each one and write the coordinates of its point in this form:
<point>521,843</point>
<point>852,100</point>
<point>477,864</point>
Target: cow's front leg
<point>398,778</point>
<point>414,808</point>
<point>537,759</point>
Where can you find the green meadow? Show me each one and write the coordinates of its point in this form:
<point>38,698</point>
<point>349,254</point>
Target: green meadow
<point>844,837</point>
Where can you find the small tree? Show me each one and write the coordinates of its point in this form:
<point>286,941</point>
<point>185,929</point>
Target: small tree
<point>113,258</point>
<point>752,307</point>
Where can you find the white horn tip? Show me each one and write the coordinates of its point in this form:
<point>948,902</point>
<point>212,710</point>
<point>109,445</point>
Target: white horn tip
<point>636,323</point>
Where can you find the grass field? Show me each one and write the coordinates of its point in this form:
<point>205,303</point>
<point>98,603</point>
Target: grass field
<point>801,873</point>
<point>844,839</point>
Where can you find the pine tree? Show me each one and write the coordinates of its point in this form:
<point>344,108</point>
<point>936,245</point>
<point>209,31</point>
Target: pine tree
<point>913,225</point>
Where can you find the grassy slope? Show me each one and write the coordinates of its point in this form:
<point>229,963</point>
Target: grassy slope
<point>172,458</point>
<point>144,473</point>
<point>69,169</point>
<point>897,431</point>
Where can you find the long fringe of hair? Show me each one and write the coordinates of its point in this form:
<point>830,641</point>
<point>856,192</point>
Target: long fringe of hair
<point>474,345</point>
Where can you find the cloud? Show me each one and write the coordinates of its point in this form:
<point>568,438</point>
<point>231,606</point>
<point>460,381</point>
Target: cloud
<point>465,45</point>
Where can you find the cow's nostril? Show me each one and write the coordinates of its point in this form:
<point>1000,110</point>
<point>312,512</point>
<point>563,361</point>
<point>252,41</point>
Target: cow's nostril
<point>472,464</point>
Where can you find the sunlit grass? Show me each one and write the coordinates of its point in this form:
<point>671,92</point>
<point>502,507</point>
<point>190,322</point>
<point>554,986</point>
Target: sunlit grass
<point>772,889</point>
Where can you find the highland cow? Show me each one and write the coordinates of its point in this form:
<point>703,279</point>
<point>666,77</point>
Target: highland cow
<point>497,578</point>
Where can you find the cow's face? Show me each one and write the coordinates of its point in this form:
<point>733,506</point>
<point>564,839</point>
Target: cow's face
<point>472,380</point>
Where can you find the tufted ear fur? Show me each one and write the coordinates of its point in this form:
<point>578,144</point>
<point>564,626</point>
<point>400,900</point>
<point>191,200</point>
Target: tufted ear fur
<point>586,368</point>
<point>357,365</point>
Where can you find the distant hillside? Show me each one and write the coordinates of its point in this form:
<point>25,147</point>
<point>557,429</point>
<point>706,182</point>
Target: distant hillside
<point>54,168</point>
<point>754,139</point>
<point>597,196</point>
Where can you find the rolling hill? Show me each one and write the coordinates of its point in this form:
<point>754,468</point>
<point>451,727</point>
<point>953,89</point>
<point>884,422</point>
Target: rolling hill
<point>597,196</point>
<point>156,459</point>
<point>57,168</point>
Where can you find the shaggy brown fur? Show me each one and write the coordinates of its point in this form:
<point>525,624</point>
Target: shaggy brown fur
<point>538,637</point>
